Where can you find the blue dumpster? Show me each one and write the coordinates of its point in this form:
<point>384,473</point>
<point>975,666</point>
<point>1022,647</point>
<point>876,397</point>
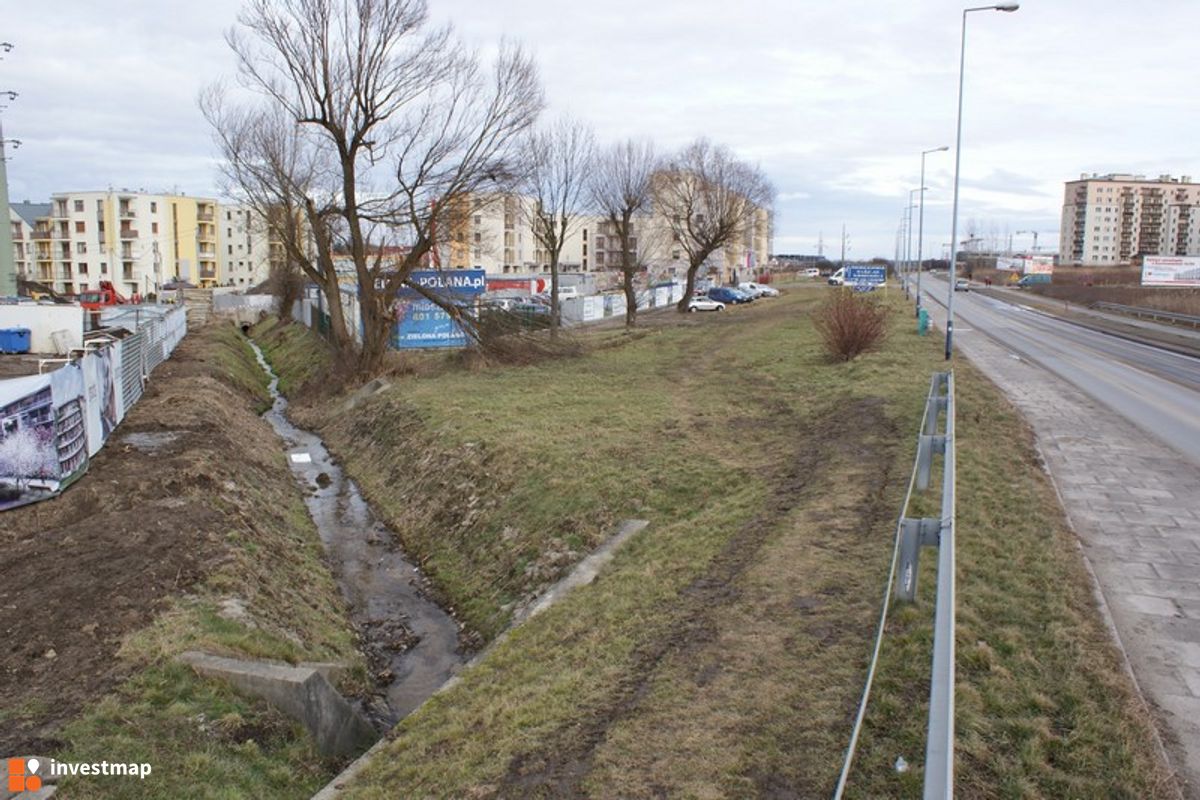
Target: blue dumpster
<point>14,340</point>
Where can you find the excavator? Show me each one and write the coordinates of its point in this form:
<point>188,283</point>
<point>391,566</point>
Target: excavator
<point>106,295</point>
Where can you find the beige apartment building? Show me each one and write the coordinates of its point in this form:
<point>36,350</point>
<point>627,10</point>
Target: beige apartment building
<point>492,232</point>
<point>247,248</point>
<point>1109,219</point>
<point>138,241</point>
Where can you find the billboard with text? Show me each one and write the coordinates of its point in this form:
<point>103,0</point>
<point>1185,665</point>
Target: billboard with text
<point>1170,271</point>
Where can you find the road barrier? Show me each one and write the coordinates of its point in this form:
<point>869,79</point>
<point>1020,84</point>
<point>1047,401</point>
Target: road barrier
<point>1152,313</point>
<point>912,534</point>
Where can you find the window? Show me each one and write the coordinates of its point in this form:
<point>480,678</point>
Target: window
<point>80,226</point>
<point>103,267</point>
<point>230,249</point>
<point>99,206</point>
<point>82,268</point>
<point>229,233</point>
<point>228,216</point>
<point>79,205</point>
<point>153,207</point>
<point>585,234</point>
<point>478,219</point>
<point>81,247</point>
<point>154,227</point>
<point>585,249</point>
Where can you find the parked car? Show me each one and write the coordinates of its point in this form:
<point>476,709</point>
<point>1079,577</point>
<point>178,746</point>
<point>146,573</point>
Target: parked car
<point>1034,278</point>
<point>962,285</point>
<point>811,272</point>
<point>758,289</point>
<point>705,304</point>
<point>725,294</point>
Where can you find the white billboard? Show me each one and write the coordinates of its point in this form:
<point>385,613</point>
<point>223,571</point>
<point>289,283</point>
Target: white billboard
<point>1010,264</point>
<point>1039,265</point>
<point>1170,271</point>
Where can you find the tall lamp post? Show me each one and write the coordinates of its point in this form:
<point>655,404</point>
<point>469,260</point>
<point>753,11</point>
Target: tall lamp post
<point>962,60</point>
<point>921,218</point>
<point>908,238</point>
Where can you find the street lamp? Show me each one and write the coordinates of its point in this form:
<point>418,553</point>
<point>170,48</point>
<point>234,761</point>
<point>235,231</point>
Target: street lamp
<point>908,238</point>
<point>962,60</point>
<point>921,218</point>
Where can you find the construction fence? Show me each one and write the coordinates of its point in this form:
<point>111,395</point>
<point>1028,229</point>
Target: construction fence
<point>53,423</point>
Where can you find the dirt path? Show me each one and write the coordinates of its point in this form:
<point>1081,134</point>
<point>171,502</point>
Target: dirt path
<point>698,623</point>
<point>147,521</point>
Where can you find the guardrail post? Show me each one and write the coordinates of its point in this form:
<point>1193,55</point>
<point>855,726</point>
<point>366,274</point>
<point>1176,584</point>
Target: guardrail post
<point>927,446</point>
<point>915,533</point>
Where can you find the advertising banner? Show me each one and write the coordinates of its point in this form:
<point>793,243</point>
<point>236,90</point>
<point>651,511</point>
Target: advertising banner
<point>1039,265</point>
<point>859,275</point>
<point>1010,264</point>
<point>421,324</point>
<point>29,465</point>
<point>1170,271</point>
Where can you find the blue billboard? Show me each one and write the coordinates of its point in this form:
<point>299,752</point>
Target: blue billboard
<point>421,323</point>
<point>859,275</point>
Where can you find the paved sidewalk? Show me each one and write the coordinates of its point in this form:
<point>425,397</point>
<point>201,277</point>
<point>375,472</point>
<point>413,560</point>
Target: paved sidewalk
<point>1135,505</point>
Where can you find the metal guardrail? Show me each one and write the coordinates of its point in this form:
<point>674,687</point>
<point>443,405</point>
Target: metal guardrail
<point>1152,313</point>
<point>912,534</point>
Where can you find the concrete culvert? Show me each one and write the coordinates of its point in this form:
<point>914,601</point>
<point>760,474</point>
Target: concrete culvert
<point>246,328</point>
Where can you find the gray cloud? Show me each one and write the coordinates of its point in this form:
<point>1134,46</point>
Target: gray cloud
<point>835,100</point>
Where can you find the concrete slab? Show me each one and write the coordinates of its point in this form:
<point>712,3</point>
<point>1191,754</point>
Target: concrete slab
<point>302,693</point>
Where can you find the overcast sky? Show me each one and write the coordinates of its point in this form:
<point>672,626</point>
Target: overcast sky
<point>834,100</point>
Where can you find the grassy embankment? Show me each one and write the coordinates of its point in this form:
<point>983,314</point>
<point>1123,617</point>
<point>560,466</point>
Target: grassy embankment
<point>722,652</point>
<point>201,738</point>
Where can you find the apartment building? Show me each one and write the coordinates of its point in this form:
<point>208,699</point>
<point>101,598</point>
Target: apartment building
<point>493,232</point>
<point>1109,219</point>
<point>247,248</point>
<point>138,241</point>
<point>24,217</point>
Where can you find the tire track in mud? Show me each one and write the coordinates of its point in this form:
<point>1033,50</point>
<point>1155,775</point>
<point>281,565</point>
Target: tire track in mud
<point>855,429</point>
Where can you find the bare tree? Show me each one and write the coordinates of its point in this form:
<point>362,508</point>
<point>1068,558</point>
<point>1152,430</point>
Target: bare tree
<point>555,178</point>
<point>371,131</point>
<point>709,199</point>
<point>621,185</point>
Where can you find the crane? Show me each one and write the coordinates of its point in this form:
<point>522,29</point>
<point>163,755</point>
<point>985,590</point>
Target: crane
<point>1035,235</point>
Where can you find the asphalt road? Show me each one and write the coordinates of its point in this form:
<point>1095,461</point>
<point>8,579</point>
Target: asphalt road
<point>1157,390</point>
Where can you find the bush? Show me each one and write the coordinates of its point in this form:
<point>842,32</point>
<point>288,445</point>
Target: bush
<point>850,323</point>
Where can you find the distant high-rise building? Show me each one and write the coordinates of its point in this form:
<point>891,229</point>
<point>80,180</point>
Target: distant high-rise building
<point>137,241</point>
<point>247,248</point>
<point>1109,219</point>
<point>493,232</point>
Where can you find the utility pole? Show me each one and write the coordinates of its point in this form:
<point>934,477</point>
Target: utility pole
<point>8,265</point>
<point>820,244</point>
<point>843,264</point>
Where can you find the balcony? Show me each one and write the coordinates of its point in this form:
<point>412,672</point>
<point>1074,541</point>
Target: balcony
<point>126,213</point>
<point>208,273</point>
<point>205,216</point>
<point>128,233</point>
<point>39,235</point>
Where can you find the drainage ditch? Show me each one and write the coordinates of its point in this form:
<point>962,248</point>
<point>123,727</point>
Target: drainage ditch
<point>412,645</point>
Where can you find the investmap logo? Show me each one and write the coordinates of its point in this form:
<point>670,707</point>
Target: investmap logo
<point>22,775</point>
<point>31,774</point>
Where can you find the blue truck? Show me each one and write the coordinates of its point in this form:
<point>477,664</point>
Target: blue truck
<point>1033,279</point>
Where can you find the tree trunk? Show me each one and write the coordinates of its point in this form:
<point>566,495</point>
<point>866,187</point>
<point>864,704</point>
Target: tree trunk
<point>555,313</point>
<point>630,298</point>
<point>376,333</point>
<point>688,288</point>
<point>340,335</point>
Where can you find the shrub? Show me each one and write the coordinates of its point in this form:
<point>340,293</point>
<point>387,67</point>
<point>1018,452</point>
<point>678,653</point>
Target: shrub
<point>850,323</point>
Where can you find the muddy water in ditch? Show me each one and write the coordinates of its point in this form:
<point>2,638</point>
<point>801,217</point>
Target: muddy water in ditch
<point>411,642</point>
